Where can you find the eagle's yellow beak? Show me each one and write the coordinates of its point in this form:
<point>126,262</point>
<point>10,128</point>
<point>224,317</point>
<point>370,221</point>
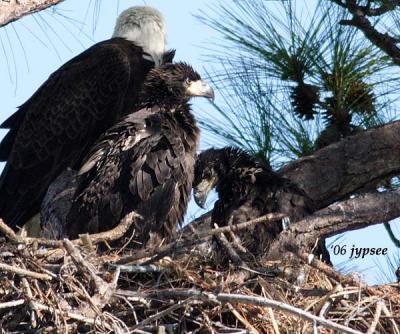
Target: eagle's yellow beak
<point>200,88</point>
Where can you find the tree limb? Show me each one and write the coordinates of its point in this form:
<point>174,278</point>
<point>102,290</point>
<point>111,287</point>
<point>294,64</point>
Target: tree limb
<point>13,10</point>
<point>360,20</point>
<point>361,211</point>
<point>342,168</point>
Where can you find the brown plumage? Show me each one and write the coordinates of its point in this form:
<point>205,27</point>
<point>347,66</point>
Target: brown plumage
<point>247,188</point>
<point>57,126</point>
<point>145,162</point>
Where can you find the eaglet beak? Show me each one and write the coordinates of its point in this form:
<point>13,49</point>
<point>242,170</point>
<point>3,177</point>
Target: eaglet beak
<point>201,191</point>
<point>200,88</point>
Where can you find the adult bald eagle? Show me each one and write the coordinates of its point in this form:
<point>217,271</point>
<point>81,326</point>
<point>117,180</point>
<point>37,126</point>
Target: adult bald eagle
<point>56,127</point>
<point>145,162</point>
<point>247,189</point>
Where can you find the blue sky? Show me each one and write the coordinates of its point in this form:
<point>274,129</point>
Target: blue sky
<point>37,45</point>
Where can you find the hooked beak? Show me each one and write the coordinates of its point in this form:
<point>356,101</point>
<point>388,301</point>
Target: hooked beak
<point>201,191</point>
<point>200,88</point>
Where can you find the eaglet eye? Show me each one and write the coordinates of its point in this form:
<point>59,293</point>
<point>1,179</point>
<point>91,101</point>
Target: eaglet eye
<point>187,81</point>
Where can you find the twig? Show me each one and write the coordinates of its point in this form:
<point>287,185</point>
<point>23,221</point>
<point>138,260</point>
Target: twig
<point>378,311</point>
<point>8,231</point>
<point>68,314</point>
<point>111,235</point>
<point>30,297</point>
<point>162,313</point>
<point>24,272</point>
<point>273,320</point>
<point>14,303</point>
<point>242,319</point>
<point>151,268</point>
<point>384,41</point>
<point>235,258</point>
<point>392,321</point>
<point>260,301</point>
<point>118,231</point>
<point>331,272</point>
<point>81,263</point>
<point>197,238</point>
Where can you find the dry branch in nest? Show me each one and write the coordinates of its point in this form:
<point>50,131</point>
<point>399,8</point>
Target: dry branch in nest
<point>188,288</point>
<point>197,285</point>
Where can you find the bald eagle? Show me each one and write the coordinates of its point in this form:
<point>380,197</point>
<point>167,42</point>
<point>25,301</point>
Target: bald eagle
<point>57,126</point>
<point>247,188</point>
<point>145,162</point>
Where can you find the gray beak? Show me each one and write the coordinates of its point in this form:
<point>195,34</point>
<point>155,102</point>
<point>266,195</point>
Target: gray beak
<point>200,198</point>
<point>201,88</point>
<point>201,191</point>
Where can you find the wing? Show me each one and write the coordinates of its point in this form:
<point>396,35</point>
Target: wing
<point>56,126</point>
<point>287,196</point>
<point>138,165</point>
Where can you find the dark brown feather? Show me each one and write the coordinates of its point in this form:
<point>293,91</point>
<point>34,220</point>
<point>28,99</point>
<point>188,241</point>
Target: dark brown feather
<point>247,188</point>
<point>161,198</point>
<point>145,162</point>
<point>56,127</point>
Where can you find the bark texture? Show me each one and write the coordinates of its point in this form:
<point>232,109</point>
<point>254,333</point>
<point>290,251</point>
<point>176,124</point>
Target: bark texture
<point>360,20</point>
<point>361,211</point>
<point>12,10</point>
<point>331,175</point>
<point>341,169</point>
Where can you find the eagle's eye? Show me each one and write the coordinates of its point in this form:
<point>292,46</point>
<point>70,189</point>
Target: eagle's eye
<point>187,82</point>
<point>207,174</point>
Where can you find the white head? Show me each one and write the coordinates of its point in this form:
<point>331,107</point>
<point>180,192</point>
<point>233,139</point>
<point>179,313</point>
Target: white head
<point>145,27</point>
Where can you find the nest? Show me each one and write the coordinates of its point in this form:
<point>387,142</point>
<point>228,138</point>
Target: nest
<point>197,284</point>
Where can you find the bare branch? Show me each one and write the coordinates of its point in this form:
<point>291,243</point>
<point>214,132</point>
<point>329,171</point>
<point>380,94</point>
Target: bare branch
<point>360,20</point>
<point>24,272</point>
<point>190,239</point>
<point>111,235</point>
<point>340,169</point>
<point>12,304</point>
<point>364,210</point>
<point>15,9</point>
<point>236,298</point>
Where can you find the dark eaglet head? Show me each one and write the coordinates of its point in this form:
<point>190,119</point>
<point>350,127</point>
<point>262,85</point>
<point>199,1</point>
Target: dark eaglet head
<point>177,82</point>
<point>214,166</point>
<point>207,172</point>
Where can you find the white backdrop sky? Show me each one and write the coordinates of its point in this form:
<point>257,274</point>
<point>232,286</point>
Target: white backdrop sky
<point>32,48</point>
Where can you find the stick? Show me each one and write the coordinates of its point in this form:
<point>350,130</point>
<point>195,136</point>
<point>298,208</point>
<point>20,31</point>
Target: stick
<point>195,239</point>
<point>391,319</point>
<point>8,231</point>
<point>70,315</point>
<point>273,320</point>
<point>260,301</point>
<point>24,272</point>
<point>111,235</point>
<point>242,319</point>
<point>14,303</point>
<point>81,263</point>
<point>30,297</point>
<point>151,268</point>
<point>117,232</point>
<point>377,315</point>
<point>233,255</point>
<point>331,272</point>
<point>162,313</point>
